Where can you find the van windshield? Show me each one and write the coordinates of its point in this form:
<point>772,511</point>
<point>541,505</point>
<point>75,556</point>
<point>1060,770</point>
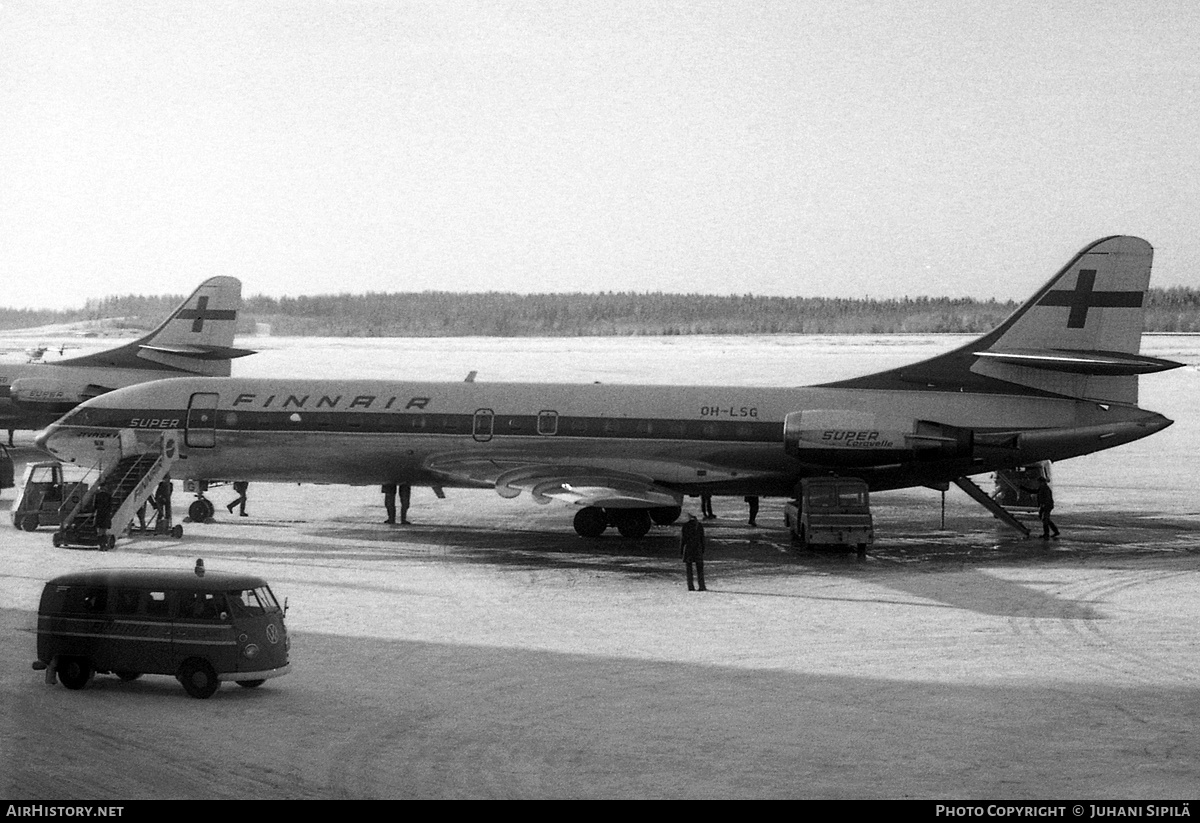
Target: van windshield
<point>252,602</point>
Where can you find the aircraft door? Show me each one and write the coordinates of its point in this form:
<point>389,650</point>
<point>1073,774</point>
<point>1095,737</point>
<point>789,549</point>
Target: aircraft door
<point>201,430</point>
<point>481,429</point>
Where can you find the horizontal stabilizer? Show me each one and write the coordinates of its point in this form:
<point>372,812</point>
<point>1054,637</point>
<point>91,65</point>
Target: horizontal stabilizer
<point>200,352</point>
<point>1081,362</point>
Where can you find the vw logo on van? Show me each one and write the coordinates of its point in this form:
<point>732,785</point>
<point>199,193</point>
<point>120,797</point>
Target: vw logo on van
<point>272,633</point>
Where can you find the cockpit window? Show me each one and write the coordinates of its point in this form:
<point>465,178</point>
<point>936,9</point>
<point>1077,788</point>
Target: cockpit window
<point>253,602</point>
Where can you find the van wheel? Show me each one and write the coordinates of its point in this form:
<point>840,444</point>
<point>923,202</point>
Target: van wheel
<point>177,532</point>
<point>30,523</point>
<point>198,678</point>
<point>57,540</point>
<point>75,672</point>
<point>128,676</point>
<point>250,684</point>
<point>862,551</point>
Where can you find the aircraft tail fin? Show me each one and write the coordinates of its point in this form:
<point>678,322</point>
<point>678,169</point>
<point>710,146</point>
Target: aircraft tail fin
<point>1078,336</point>
<point>197,338</point>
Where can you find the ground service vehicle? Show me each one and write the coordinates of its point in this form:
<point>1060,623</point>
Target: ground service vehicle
<point>831,511</point>
<point>46,496</point>
<point>1017,489</point>
<point>202,628</point>
<point>6,469</point>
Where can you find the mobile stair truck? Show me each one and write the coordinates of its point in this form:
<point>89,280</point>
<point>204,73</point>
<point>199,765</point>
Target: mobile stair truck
<point>130,479</point>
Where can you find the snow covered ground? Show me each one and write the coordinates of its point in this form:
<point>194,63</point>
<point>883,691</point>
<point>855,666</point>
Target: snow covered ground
<point>487,651</point>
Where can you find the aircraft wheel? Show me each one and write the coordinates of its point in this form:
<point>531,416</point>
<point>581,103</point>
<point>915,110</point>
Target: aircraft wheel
<point>29,522</point>
<point>177,532</point>
<point>198,511</point>
<point>250,684</point>
<point>75,672</point>
<point>198,678</point>
<point>209,509</point>
<point>590,522</point>
<point>665,515</point>
<point>632,523</point>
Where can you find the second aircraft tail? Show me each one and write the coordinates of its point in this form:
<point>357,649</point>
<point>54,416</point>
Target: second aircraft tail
<point>197,338</point>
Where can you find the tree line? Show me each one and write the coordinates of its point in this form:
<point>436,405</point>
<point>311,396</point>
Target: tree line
<point>505,314</point>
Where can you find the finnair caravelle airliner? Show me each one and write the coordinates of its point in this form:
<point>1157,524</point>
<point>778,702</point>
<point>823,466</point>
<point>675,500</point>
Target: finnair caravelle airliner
<point>1057,379</point>
<point>196,339</point>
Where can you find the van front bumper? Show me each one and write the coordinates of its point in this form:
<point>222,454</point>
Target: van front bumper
<point>265,674</point>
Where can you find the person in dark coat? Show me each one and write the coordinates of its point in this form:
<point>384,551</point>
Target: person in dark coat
<point>752,500</point>
<point>691,543</point>
<point>241,487</point>
<point>706,507</point>
<point>102,506</point>
<point>162,500</point>
<point>389,502</point>
<point>1045,501</point>
<point>405,498</point>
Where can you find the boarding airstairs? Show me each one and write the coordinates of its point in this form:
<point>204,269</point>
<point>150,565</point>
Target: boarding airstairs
<point>131,481</point>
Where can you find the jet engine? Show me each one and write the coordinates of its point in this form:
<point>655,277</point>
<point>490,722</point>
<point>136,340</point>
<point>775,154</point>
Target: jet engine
<point>51,395</point>
<point>859,438</point>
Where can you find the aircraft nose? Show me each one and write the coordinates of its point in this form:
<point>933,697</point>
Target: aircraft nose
<point>42,439</point>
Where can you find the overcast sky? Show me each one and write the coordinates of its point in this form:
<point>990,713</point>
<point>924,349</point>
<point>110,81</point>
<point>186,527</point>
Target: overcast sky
<point>862,149</point>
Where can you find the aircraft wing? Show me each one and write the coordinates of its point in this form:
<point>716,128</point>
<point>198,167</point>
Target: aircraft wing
<point>579,485</point>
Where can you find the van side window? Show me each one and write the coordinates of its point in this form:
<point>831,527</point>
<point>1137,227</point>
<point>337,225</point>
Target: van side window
<point>201,605</point>
<point>85,600</point>
<point>127,601</point>
<point>156,604</point>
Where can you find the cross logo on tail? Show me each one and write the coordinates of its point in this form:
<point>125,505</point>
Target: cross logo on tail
<point>1084,296</point>
<point>201,313</point>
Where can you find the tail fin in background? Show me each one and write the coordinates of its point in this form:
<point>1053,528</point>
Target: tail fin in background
<point>1078,336</point>
<point>196,339</point>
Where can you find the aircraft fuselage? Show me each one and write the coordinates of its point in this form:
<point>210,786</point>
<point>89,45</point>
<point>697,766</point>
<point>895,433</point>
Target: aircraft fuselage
<point>45,391</point>
<point>723,440</point>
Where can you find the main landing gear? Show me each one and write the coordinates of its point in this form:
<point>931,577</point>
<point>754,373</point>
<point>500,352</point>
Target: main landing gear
<point>593,520</point>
